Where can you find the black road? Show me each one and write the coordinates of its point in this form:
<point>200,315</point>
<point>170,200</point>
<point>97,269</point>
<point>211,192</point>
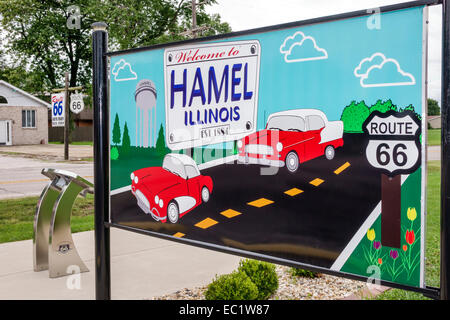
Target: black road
<point>312,226</point>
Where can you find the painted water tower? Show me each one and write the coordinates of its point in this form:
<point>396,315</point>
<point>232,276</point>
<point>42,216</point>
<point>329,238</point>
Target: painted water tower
<point>145,96</point>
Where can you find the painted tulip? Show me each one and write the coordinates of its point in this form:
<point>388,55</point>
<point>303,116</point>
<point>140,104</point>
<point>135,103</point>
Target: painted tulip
<point>405,247</point>
<point>393,254</point>
<point>371,234</point>
<point>410,237</point>
<point>380,261</point>
<point>377,245</point>
<point>411,214</point>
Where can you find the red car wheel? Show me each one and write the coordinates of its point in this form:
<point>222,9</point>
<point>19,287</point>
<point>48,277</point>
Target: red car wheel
<point>173,213</point>
<point>292,161</point>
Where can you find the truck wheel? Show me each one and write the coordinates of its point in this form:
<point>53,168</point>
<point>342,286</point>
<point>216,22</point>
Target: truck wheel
<point>292,162</point>
<point>173,212</point>
<point>330,152</point>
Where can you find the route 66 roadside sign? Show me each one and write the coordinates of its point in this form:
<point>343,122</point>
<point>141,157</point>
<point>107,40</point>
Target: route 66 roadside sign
<point>76,103</point>
<point>394,141</point>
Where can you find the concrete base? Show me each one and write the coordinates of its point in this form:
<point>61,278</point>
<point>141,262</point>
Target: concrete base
<point>141,267</point>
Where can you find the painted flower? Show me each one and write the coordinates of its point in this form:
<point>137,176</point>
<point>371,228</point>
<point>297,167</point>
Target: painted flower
<point>405,247</point>
<point>410,237</point>
<point>377,245</point>
<point>393,254</point>
<point>371,234</point>
<point>411,214</point>
<point>380,261</point>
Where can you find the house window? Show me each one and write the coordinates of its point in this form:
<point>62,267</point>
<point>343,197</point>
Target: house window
<point>3,100</point>
<point>28,118</point>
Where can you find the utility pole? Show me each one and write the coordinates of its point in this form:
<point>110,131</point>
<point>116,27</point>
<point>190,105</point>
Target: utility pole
<point>194,29</point>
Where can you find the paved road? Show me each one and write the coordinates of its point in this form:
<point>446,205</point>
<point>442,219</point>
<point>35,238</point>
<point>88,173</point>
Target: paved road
<point>434,153</point>
<point>21,177</point>
<point>282,215</point>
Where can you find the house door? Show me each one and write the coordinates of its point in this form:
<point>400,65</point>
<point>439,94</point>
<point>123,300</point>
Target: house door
<point>5,132</point>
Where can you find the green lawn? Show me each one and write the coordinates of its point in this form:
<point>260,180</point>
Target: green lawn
<point>434,137</point>
<point>17,215</point>
<point>432,244</point>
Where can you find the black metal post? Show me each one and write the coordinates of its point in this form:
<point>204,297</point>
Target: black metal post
<point>445,154</point>
<point>101,162</point>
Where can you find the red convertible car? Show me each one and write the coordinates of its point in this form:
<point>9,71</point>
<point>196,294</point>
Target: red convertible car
<point>292,137</point>
<point>170,191</point>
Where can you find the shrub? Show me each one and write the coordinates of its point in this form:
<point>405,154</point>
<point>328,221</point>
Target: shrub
<point>262,274</point>
<point>233,286</point>
<point>297,272</point>
<point>114,153</point>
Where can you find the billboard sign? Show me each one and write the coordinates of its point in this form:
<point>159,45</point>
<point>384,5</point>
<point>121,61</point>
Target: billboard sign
<point>301,144</point>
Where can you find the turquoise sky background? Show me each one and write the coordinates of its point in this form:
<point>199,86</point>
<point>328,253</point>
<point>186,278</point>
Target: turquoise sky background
<point>326,84</point>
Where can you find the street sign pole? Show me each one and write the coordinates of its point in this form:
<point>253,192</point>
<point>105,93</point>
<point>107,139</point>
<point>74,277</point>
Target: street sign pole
<point>445,154</point>
<point>101,162</point>
<point>66,117</point>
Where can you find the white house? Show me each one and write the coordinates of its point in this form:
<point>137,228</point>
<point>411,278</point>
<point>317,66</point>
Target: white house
<point>23,117</point>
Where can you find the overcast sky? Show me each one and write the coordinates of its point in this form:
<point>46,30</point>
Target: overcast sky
<point>249,14</point>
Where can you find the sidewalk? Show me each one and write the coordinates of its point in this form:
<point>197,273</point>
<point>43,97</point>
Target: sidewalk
<point>141,267</point>
<point>50,151</point>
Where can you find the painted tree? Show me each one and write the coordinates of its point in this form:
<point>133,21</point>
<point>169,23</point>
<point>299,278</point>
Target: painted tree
<point>354,115</point>
<point>383,106</point>
<point>116,130</point>
<point>126,142</point>
<point>161,142</point>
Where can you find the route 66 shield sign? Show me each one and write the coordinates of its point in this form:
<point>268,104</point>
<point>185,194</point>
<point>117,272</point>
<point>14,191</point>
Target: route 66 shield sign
<point>394,141</point>
<point>76,103</point>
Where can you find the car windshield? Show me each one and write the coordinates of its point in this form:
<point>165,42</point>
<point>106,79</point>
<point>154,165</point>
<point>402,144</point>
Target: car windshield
<point>286,123</point>
<point>174,165</point>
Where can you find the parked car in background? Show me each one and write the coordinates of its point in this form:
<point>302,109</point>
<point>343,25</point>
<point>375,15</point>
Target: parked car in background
<point>170,191</point>
<point>292,137</point>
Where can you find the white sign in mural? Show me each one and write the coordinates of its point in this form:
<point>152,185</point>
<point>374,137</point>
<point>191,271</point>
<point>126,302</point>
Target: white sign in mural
<point>211,93</point>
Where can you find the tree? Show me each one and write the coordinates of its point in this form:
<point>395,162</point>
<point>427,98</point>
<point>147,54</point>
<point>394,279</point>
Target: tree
<point>383,106</point>
<point>433,107</point>
<point>160,142</point>
<point>354,115</point>
<point>39,37</point>
<point>135,23</point>
<point>116,130</point>
<point>126,143</point>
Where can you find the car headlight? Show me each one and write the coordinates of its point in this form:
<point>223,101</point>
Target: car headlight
<point>132,176</point>
<point>136,180</point>
<point>156,199</point>
<point>161,203</point>
<point>239,144</point>
<point>279,146</point>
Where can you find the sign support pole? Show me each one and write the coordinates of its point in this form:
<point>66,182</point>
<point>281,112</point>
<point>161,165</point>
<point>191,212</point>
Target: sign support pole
<point>101,162</point>
<point>390,211</point>
<point>66,117</point>
<point>445,154</point>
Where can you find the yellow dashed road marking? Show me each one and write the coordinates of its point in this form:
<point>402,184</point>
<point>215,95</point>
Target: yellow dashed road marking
<point>317,182</point>
<point>260,202</point>
<point>208,222</point>
<point>342,168</point>
<point>179,235</point>
<point>230,213</point>
<point>293,192</point>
